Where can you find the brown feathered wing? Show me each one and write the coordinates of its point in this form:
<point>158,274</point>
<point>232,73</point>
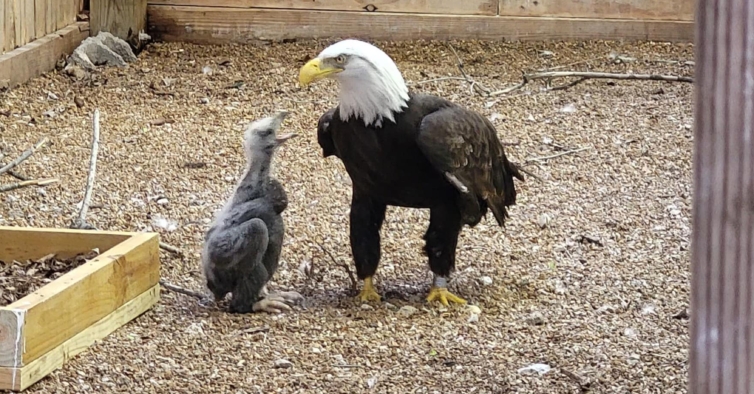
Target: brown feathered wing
<point>465,144</point>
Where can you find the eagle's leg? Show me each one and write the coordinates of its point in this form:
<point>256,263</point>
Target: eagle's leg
<point>441,241</point>
<point>366,216</point>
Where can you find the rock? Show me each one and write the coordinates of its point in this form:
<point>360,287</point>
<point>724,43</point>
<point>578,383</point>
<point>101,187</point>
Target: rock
<point>103,49</point>
<point>366,307</point>
<point>75,71</point>
<point>535,368</point>
<point>407,310</point>
<point>536,319</point>
<point>117,45</point>
<point>486,280</point>
<point>283,363</point>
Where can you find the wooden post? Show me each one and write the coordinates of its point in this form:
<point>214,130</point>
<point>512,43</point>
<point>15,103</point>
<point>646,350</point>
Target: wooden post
<point>122,18</point>
<point>722,288</point>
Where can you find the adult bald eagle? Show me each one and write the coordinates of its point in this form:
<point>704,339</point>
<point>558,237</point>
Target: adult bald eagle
<point>411,150</point>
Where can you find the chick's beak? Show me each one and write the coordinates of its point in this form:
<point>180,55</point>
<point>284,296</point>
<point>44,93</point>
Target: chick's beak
<point>313,71</point>
<point>284,137</point>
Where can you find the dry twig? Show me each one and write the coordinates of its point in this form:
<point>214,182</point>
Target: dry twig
<point>80,221</point>
<point>33,182</point>
<point>181,290</point>
<point>583,76</point>
<point>354,283</point>
<point>25,155</point>
<point>568,152</point>
<point>474,84</point>
<point>171,249</point>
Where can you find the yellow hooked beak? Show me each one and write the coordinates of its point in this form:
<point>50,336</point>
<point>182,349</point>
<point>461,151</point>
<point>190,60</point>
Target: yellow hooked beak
<point>313,71</point>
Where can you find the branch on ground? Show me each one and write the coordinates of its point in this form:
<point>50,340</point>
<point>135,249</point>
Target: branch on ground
<point>80,221</point>
<point>181,290</point>
<point>25,155</point>
<point>33,182</point>
<point>354,283</point>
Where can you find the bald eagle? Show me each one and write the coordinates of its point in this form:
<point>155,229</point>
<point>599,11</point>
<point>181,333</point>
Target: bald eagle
<point>406,149</point>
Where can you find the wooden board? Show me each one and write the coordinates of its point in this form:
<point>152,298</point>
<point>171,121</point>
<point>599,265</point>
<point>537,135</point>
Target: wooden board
<point>456,7</point>
<point>50,19</point>
<point>722,247</point>
<point>122,19</point>
<point>9,25</point>
<point>670,10</point>
<point>18,242</point>
<point>214,25</point>
<point>40,56</point>
<point>21,378</point>
<point>63,308</point>
<point>28,22</point>
<point>2,27</point>
<point>40,18</point>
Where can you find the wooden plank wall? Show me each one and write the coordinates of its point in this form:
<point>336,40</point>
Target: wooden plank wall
<point>221,21</point>
<point>23,21</point>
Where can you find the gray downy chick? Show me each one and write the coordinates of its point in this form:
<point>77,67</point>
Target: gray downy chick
<point>242,246</point>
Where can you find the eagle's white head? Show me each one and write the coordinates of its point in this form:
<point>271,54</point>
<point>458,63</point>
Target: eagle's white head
<point>371,86</point>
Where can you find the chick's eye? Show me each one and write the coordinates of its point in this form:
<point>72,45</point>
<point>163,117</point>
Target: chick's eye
<point>340,59</point>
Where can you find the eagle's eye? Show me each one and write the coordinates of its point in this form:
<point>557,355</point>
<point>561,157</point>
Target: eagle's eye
<point>340,59</point>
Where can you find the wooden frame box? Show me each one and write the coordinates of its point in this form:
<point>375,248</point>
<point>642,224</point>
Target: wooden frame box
<point>44,329</point>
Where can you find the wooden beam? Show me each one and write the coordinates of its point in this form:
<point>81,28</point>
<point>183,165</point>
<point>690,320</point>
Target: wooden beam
<point>722,247</point>
<point>669,10</point>
<point>21,242</point>
<point>40,56</point>
<point>123,19</point>
<point>21,378</point>
<point>79,298</point>
<point>465,7</point>
<point>214,25</point>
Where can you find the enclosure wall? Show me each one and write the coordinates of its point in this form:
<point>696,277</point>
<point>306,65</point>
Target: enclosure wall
<point>23,21</point>
<point>217,21</point>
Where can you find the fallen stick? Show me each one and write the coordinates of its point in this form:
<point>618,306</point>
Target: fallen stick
<point>25,155</point>
<point>474,84</point>
<point>80,221</point>
<point>181,290</point>
<point>568,152</point>
<point>171,249</point>
<point>34,182</point>
<point>584,75</point>
<point>354,284</point>
<point>438,80</point>
<point>18,176</point>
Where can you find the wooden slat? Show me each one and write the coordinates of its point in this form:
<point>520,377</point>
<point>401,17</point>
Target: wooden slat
<point>63,14</point>
<point>456,7</point>
<point>19,8</point>
<point>222,25</point>
<point>29,21</point>
<point>122,19</point>
<point>21,378</point>
<point>40,56</point>
<point>40,18</point>
<point>670,10</point>
<point>9,25</point>
<point>722,247</point>
<point>50,20</point>
<point>81,297</point>
<point>2,27</point>
<point>29,242</point>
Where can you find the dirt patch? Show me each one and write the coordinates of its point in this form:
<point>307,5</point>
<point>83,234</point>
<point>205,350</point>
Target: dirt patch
<point>20,278</point>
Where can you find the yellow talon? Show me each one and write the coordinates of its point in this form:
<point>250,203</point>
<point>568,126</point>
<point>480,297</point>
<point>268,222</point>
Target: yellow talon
<point>443,295</point>
<point>368,293</point>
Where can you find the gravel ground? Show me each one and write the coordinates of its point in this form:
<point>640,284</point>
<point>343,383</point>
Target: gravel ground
<point>591,275</point>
